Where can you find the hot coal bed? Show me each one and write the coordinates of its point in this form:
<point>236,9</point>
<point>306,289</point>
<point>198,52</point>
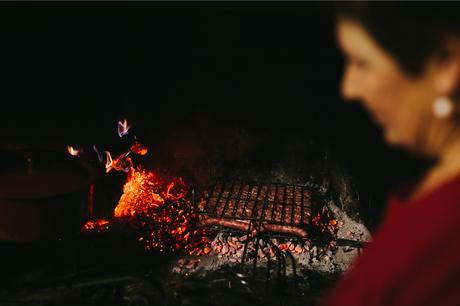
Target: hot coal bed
<point>238,177</point>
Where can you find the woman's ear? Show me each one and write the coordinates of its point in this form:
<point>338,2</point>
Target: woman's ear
<point>448,69</point>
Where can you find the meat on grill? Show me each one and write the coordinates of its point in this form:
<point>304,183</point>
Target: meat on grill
<point>283,209</point>
<point>244,225</point>
<point>286,229</point>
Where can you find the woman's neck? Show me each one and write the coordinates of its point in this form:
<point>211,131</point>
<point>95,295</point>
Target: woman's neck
<point>447,167</point>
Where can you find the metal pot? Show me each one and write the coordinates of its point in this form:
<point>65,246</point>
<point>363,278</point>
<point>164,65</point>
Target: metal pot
<point>44,194</point>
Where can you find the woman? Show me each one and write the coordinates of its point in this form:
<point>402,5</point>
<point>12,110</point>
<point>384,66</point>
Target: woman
<point>403,65</point>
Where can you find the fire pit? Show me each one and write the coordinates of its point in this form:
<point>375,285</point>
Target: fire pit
<point>246,242</point>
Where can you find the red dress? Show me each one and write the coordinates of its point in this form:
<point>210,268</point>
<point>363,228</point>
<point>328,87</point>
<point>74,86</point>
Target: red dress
<point>414,258</point>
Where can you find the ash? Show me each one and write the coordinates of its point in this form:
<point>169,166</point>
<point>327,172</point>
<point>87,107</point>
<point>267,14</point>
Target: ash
<point>228,249</point>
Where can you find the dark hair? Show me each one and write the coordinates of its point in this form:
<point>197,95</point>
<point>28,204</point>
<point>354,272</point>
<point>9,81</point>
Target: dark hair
<point>410,31</point>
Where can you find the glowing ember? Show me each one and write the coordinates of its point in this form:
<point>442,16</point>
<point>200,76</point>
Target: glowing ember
<point>157,209</point>
<point>72,151</point>
<point>138,148</point>
<point>138,195</point>
<point>162,212</point>
<point>98,225</point>
<point>123,128</point>
<point>326,223</point>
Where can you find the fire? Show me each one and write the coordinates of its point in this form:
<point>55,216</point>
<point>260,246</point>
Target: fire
<point>123,128</point>
<point>98,225</point>
<point>157,209</point>
<point>72,151</point>
<point>162,212</point>
<point>120,163</point>
<point>138,194</point>
<point>326,223</point>
<point>109,162</point>
<point>138,148</point>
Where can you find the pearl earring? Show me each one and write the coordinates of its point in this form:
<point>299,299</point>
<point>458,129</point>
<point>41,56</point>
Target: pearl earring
<point>443,107</point>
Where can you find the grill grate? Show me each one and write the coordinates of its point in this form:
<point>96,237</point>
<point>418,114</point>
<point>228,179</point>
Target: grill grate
<point>275,203</point>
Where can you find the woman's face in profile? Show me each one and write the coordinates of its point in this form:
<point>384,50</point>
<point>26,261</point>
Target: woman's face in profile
<point>398,103</point>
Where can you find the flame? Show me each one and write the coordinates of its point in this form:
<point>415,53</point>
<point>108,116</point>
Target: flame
<point>157,209</point>
<point>120,163</point>
<point>72,151</point>
<point>99,157</point>
<point>108,161</point>
<point>138,195</point>
<point>123,128</point>
<point>138,148</point>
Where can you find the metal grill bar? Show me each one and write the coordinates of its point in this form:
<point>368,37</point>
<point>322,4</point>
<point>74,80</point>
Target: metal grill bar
<point>301,206</point>
<point>227,200</point>
<point>293,204</point>
<point>283,211</point>
<point>286,204</point>
<point>219,197</point>
<point>247,200</point>
<point>237,201</point>
<point>209,198</point>
<point>273,209</point>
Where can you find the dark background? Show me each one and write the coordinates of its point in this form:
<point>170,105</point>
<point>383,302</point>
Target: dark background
<point>71,70</point>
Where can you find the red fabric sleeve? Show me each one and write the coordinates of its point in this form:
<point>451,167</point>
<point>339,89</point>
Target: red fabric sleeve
<point>414,259</point>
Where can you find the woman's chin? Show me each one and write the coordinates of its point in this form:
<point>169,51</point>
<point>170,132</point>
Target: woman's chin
<point>391,139</point>
<point>395,140</point>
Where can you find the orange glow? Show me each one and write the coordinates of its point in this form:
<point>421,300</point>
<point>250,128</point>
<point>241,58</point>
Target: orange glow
<point>138,195</point>
<point>72,151</point>
<point>325,221</point>
<point>158,210</point>
<point>161,211</point>
<point>121,163</point>
<point>98,225</point>
<point>138,148</point>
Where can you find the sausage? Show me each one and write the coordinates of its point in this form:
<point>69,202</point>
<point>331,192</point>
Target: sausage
<point>287,229</point>
<point>242,225</point>
<point>236,224</point>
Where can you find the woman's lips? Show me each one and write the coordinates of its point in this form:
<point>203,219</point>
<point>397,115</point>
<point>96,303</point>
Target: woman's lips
<point>376,116</point>
<point>379,119</point>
